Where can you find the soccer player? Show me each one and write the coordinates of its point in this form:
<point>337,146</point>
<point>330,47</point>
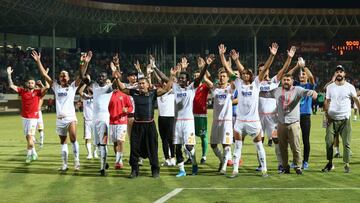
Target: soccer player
<point>144,138</point>
<point>338,111</point>
<point>86,94</point>
<point>306,80</point>
<point>65,111</point>
<point>200,111</point>
<point>184,117</point>
<point>247,121</point>
<point>102,91</point>
<point>119,106</point>
<point>221,130</point>
<point>30,98</point>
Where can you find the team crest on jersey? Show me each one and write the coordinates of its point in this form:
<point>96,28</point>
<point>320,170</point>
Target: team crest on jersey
<point>120,97</point>
<point>33,94</point>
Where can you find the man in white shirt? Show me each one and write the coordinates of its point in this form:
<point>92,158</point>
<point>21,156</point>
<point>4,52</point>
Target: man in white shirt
<point>337,109</point>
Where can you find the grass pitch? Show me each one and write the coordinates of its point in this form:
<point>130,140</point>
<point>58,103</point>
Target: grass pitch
<point>41,182</point>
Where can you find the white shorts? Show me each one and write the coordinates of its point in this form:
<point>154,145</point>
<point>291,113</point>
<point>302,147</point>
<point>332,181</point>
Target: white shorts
<point>221,132</point>
<point>40,122</point>
<point>118,132</point>
<point>269,125</point>
<point>29,126</point>
<point>101,129</point>
<point>88,129</point>
<point>184,132</point>
<point>247,128</point>
<point>63,124</point>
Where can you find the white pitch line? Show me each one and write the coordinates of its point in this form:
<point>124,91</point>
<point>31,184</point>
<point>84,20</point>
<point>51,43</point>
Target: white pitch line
<point>273,188</point>
<point>169,195</point>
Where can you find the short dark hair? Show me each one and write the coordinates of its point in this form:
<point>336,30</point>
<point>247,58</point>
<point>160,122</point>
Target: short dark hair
<point>288,75</point>
<point>29,77</point>
<point>144,78</point>
<point>261,64</point>
<point>185,73</point>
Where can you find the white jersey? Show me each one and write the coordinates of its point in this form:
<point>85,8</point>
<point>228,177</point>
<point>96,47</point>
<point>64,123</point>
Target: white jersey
<point>88,105</point>
<point>166,104</point>
<point>64,99</point>
<point>101,97</point>
<point>184,98</point>
<point>222,103</point>
<point>248,100</point>
<point>340,100</point>
<point>268,105</point>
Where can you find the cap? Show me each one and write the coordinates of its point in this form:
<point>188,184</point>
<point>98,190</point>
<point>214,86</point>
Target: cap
<point>339,67</point>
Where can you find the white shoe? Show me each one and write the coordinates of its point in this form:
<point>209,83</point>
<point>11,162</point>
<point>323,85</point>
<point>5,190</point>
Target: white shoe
<point>95,155</point>
<point>167,162</point>
<point>77,166</point>
<point>89,157</point>
<point>141,161</point>
<point>64,168</point>
<point>173,162</point>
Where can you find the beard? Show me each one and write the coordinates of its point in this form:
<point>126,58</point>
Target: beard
<point>286,86</point>
<point>339,78</point>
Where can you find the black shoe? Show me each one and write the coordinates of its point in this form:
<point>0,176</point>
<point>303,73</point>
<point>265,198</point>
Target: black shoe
<point>328,167</point>
<point>347,168</point>
<point>202,161</point>
<point>106,166</point>
<point>102,172</point>
<point>188,162</point>
<point>220,166</point>
<point>298,171</point>
<point>134,174</point>
<point>285,170</point>
<point>155,174</point>
<point>270,143</point>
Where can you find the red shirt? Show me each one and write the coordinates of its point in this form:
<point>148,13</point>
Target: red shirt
<point>118,101</point>
<point>200,99</point>
<point>29,102</point>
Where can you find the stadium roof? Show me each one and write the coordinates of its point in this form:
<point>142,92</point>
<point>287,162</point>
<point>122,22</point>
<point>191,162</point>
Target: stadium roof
<point>78,18</point>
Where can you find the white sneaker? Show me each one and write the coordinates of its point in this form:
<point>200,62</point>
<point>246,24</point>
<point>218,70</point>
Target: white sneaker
<point>141,161</point>
<point>167,162</point>
<point>173,162</point>
<point>89,157</point>
<point>63,168</point>
<point>95,155</point>
<point>77,166</point>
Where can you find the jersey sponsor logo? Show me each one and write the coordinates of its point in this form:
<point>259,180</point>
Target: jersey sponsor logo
<point>221,96</point>
<point>264,88</point>
<point>183,94</point>
<point>62,94</point>
<point>246,94</point>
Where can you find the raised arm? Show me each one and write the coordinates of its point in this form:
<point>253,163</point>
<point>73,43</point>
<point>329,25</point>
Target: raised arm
<point>184,64</point>
<point>37,57</point>
<point>227,66</point>
<point>162,90</point>
<point>209,60</point>
<point>9,71</point>
<point>310,75</point>
<point>201,65</point>
<point>236,57</point>
<point>273,50</point>
<point>286,65</point>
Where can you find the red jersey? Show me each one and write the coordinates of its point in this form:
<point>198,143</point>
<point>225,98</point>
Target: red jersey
<point>29,102</point>
<point>200,99</point>
<point>118,101</point>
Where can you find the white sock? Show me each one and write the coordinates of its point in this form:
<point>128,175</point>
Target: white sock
<point>355,117</point>
<point>75,146</point>
<point>181,166</point>
<point>33,151</point>
<point>64,153</point>
<point>88,148</point>
<point>337,150</point>
<point>103,155</point>
<point>41,137</point>
<point>262,156</point>
<point>217,153</point>
<point>278,153</point>
<point>96,149</point>
<point>227,156</point>
<point>237,155</point>
<point>119,157</point>
<point>29,152</point>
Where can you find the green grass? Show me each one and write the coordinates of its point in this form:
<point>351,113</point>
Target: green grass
<point>41,182</point>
